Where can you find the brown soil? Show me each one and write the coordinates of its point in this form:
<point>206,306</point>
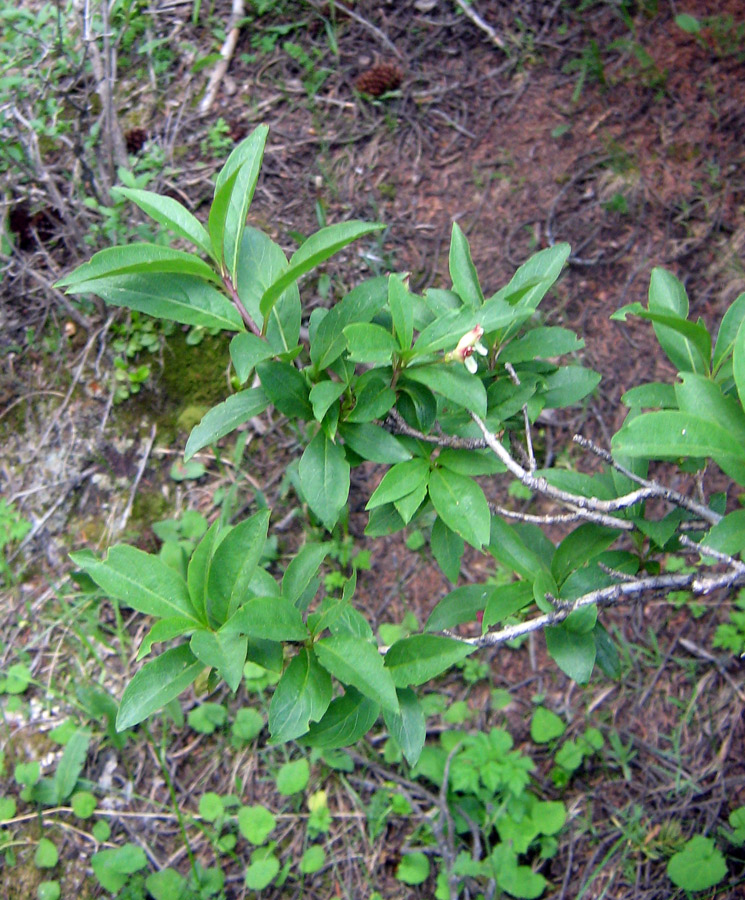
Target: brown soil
<point>642,167</point>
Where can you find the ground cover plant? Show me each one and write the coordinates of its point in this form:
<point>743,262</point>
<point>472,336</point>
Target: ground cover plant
<point>508,829</point>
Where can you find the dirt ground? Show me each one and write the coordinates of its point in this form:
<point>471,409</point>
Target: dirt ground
<point>641,164</point>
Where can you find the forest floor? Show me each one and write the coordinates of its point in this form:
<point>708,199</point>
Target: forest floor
<point>619,133</point>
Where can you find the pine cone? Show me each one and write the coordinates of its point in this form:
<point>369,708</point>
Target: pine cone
<point>135,139</point>
<point>380,79</point>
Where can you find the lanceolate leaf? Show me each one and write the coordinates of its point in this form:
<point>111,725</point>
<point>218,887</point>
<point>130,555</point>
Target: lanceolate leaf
<point>401,304</point>
<point>226,417</point>
<point>669,435</point>
<point>738,363</point>
<point>172,214</point>
<point>459,606</point>
<point>303,694</point>
<point>667,296</point>
<point>345,721</point>
<point>251,154</point>
<point>359,305</point>
<point>179,297</point>
<point>419,658</point>
<point>461,505</point>
<point>358,663</point>
<point>71,764</point>
<point>400,480</point>
<point>135,259</point>
<point>223,651</point>
<point>139,580</point>
<point>462,270</point>
<point>731,322</point>
<point>302,569</point>
<point>233,565</point>
<point>157,683</point>
<point>268,618</point>
<point>408,727</point>
<point>374,443</point>
<point>454,382</point>
<point>319,247</point>
<point>324,478</point>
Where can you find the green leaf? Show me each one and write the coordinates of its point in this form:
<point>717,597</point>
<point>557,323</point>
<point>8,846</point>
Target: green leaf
<point>652,395</point>
<point>669,435</point>
<point>197,575</point>
<point>421,657</point>
<point>157,683</point>
<point>268,618</point>
<point>408,727</point>
<point>83,804</point>
<point>233,565</point>
<point>698,866</point>
<point>261,873</point>
<point>183,298</point>
<point>223,651</point>
<point>293,777</point>
<point>286,388</point>
<point>731,322</point>
<point>323,395</point>
<point>132,259</point>
<point>400,480</point>
<point>454,382</point>
<point>462,270</point>
<point>113,867</point>
<point>369,343</point>
<point>688,353</point>
<point>459,606</point>
<point>374,398</point>
<point>46,855</point>
<point>447,549</point>
<point>167,884</point>
<point>260,262</point>
<point>312,860</point>
<point>356,662</point>
<point>71,764</point>
<point>546,726</point>
<point>702,397</point>
<point>246,350</point>
<point>256,823</point>
<point>139,580</point>
<point>344,722</point>
<point>413,868</point>
<point>226,417</point>
<point>172,214</point>
<point>250,153</point>
<point>302,569</point>
<point>359,305</point>
<point>324,478</point>
<point>302,695</point>
<point>317,248</point>
<point>541,343</point>
<point>373,443</point>
<point>470,462</point>
<point>728,535</point>
<point>606,652</point>
<point>401,304</point>
<point>568,385</point>
<point>738,363</point>
<point>578,547</point>
<point>688,23</point>
<point>461,505</point>
<point>573,653</point>
<point>49,890</point>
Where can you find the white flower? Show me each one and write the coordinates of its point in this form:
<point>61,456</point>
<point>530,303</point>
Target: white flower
<point>469,344</point>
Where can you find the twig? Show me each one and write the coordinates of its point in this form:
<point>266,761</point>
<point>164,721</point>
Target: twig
<point>226,54</point>
<point>470,13</point>
<point>616,593</point>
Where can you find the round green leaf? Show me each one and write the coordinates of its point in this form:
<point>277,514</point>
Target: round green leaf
<point>255,823</point>
<point>7,808</point>
<point>46,855</point>
<point>261,873</point>
<point>413,868</point>
<point>545,726</point>
<point>48,890</point>
<point>83,803</point>
<point>312,860</point>
<point>247,724</point>
<point>698,866</point>
<point>211,806</point>
<point>166,885</point>
<point>293,777</point>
